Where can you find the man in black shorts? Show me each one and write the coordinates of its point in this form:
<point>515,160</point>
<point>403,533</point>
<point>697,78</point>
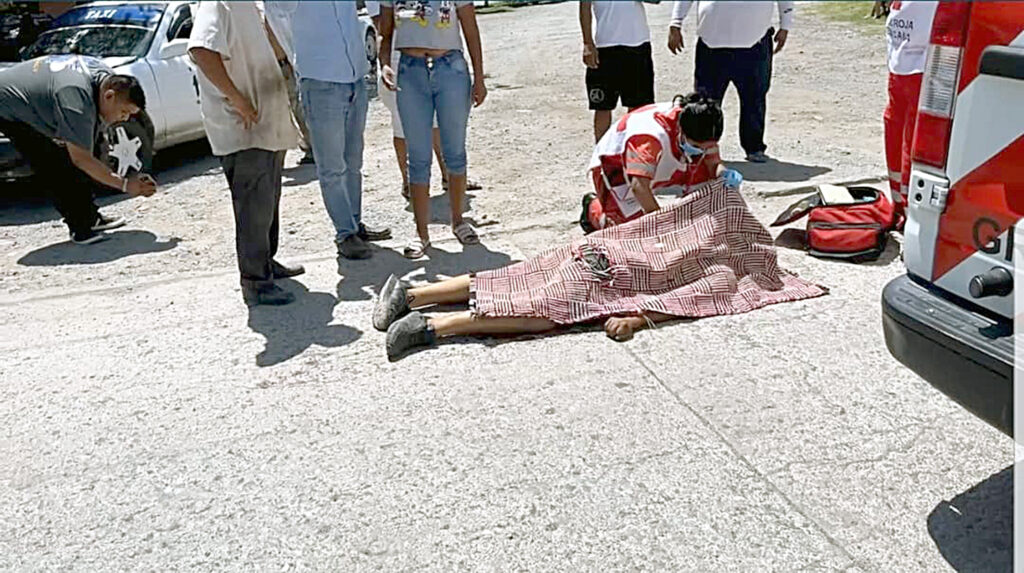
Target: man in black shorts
<point>617,53</point>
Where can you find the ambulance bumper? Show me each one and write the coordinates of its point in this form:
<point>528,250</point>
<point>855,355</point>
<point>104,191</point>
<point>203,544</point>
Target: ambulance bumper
<point>965,355</point>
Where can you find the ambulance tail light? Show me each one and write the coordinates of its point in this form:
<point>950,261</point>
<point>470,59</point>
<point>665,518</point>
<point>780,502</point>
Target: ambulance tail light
<point>939,85</point>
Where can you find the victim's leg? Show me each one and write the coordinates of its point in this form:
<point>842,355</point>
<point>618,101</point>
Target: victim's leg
<point>465,323</point>
<point>416,330</point>
<point>451,291</point>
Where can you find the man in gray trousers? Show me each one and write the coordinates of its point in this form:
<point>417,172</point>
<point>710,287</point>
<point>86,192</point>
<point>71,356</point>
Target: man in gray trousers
<point>239,72</point>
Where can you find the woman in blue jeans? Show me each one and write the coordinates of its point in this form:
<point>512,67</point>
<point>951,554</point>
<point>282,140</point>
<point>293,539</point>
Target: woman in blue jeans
<point>433,78</point>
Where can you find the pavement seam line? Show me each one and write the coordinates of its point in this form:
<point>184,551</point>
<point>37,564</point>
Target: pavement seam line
<point>313,258</point>
<point>743,459</point>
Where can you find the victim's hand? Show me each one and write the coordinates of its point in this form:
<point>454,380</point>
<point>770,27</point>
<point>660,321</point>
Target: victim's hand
<point>621,328</point>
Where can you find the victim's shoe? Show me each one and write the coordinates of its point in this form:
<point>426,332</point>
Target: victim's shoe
<point>408,333</point>
<point>392,303</point>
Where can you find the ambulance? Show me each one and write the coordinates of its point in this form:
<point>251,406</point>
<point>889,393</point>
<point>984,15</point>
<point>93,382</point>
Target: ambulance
<point>950,318</point>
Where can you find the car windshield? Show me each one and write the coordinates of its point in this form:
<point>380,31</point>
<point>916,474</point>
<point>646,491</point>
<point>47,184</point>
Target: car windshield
<point>124,30</point>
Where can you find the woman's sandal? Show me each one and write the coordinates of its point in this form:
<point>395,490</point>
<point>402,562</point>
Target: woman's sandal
<point>416,248</point>
<point>465,234</point>
<point>471,185</point>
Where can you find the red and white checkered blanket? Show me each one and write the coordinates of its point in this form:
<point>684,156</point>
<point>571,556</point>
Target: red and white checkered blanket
<point>703,255</point>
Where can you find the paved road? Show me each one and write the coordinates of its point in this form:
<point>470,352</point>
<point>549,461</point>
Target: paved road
<point>149,423</point>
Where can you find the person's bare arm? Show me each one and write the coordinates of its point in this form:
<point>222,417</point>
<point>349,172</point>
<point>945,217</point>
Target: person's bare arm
<point>590,58</point>
<point>675,29</point>
<point>467,18</point>
<point>278,50</point>
<point>641,188</point>
<point>621,328</point>
<point>99,172</point>
<point>387,34</point>
<point>211,65</point>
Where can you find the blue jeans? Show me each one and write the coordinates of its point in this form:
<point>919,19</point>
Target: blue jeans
<point>336,118</point>
<point>428,86</point>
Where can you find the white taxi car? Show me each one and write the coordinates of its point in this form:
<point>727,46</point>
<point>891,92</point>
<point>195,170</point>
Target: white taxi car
<point>147,40</point>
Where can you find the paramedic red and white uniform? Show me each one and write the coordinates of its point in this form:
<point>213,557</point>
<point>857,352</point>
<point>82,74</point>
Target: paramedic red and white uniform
<point>644,143</point>
<point>908,31</point>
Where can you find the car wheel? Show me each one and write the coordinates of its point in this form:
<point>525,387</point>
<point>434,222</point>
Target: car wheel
<point>371,47</point>
<point>128,146</point>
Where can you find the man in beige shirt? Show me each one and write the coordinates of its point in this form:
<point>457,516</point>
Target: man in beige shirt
<point>248,122</point>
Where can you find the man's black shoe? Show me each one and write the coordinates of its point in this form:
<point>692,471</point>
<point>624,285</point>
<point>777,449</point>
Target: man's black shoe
<point>87,237</point>
<point>584,218</point>
<point>271,295</point>
<point>354,248</point>
<point>367,234</point>
<point>104,223</point>
<point>281,271</point>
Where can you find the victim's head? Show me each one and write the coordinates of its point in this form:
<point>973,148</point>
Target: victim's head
<point>120,98</point>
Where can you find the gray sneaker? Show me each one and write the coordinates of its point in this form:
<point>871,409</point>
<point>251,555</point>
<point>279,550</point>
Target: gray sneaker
<point>392,303</point>
<point>408,333</point>
<point>354,248</point>
<point>758,157</point>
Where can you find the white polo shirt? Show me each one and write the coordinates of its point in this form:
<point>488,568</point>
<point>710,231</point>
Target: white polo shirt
<point>908,33</point>
<point>235,31</point>
<point>732,23</point>
<point>620,23</point>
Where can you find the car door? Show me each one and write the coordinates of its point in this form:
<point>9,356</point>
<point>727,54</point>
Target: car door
<point>176,79</point>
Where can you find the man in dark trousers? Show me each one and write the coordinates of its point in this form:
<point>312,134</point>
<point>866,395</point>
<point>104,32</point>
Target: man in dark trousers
<point>735,44</point>
<point>238,72</point>
<point>52,109</point>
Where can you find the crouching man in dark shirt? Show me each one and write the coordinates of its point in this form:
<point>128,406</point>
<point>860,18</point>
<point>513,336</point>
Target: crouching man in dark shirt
<point>52,109</point>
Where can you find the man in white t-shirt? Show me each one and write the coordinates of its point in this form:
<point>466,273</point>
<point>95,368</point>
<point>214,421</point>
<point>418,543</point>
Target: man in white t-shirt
<point>617,53</point>
<point>734,45</point>
<point>249,125</point>
<point>908,32</point>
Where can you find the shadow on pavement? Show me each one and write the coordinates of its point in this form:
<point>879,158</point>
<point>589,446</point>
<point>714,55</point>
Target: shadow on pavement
<point>974,531</point>
<point>777,170</point>
<point>121,244</point>
<point>298,175</point>
<point>291,329</point>
<point>25,203</point>
<point>796,239</point>
<point>361,279</point>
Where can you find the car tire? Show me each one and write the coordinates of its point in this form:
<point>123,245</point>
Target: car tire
<point>371,47</point>
<point>139,126</point>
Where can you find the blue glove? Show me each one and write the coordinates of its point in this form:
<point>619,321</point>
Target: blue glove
<point>733,179</point>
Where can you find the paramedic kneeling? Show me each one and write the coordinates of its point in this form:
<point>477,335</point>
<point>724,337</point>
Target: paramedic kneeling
<point>661,146</point>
